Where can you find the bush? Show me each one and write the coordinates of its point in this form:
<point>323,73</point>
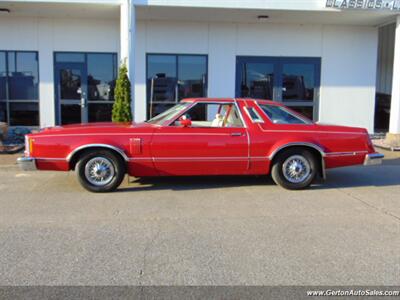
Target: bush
<point>122,106</point>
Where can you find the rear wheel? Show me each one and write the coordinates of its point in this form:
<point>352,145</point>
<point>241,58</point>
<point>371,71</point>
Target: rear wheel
<point>294,169</point>
<point>100,171</point>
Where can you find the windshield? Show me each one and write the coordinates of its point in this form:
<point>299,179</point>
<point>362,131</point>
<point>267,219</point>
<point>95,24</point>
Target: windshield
<point>169,114</point>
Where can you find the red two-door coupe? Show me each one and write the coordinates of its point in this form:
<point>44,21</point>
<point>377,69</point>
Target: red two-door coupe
<point>201,137</point>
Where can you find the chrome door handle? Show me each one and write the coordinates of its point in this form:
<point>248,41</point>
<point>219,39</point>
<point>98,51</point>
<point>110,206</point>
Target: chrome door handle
<point>236,134</point>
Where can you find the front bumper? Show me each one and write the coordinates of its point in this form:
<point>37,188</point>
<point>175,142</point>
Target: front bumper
<point>373,159</point>
<point>26,163</point>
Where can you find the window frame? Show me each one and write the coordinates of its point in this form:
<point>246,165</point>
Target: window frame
<point>194,103</point>
<point>289,111</point>
<point>7,101</point>
<point>176,55</point>
<point>278,62</point>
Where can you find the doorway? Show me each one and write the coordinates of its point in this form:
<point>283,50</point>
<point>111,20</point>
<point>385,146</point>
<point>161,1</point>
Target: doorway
<point>84,86</point>
<point>295,81</point>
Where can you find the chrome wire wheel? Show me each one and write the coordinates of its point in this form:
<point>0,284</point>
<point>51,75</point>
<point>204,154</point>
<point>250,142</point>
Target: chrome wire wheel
<point>99,171</point>
<point>296,169</point>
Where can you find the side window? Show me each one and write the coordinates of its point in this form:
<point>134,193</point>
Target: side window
<point>213,115</point>
<point>279,115</point>
<point>253,114</point>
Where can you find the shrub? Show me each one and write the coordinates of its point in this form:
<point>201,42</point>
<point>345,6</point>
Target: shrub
<point>122,105</point>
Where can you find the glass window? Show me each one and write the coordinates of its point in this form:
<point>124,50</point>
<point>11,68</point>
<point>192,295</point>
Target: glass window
<point>19,88</point>
<point>298,82</point>
<point>70,57</point>
<point>100,112</point>
<point>257,80</point>
<point>279,115</point>
<point>169,114</point>
<point>3,76</point>
<point>254,116</point>
<point>192,72</point>
<point>24,113</point>
<point>3,111</point>
<point>292,80</point>
<point>170,78</point>
<point>23,76</point>
<point>306,111</point>
<point>101,76</point>
<point>213,115</point>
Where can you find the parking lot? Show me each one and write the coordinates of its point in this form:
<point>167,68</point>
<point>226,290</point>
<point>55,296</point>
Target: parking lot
<point>201,231</point>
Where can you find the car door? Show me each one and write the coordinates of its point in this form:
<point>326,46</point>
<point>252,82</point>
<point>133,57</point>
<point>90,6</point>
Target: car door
<point>201,149</point>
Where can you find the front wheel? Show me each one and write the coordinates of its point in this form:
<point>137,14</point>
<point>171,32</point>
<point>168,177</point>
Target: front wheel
<point>100,171</point>
<point>294,169</point>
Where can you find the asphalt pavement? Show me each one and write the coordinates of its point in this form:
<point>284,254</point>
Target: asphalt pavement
<point>201,230</point>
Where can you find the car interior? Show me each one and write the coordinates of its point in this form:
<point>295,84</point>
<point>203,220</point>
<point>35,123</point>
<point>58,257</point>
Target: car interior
<point>212,115</point>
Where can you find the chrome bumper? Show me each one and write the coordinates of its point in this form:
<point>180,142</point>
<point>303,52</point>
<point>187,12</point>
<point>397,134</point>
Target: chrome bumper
<point>373,159</point>
<point>26,163</point>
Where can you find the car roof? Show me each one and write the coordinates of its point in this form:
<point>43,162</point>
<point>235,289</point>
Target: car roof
<point>230,100</point>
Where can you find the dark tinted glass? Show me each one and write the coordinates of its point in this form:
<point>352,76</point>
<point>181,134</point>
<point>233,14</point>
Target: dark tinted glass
<point>3,75</point>
<point>70,84</point>
<point>3,111</point>
<point>192,76</point>
<point>99,112</point>
<point>298,82</point>
<point>257,80</point>
<point>70,57</point>
<point>101,76</point>
<point>24,113</point>
<point>279,115</point>
<point>161,78</point>
<point>306,111</point>
<point>23,76</point>
<point>70,114</point>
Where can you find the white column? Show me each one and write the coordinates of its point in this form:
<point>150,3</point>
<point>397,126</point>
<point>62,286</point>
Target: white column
<point>394,127</point>
<point>127,36</point>
<point>46,73</point>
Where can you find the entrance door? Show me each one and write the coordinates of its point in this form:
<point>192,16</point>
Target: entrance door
<point>71,92</point>
<point>294,81</point>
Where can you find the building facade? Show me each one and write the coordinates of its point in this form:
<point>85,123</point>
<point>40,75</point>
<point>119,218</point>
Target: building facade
<point>334,61</point>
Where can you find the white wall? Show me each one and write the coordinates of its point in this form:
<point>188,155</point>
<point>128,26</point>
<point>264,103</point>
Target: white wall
<point>348,59</point>
<point>47,35</point>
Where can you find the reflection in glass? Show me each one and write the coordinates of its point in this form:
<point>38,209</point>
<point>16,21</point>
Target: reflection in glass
<point>171,78</point>
<point>257,80</point>
<point>298,82</point>
<point>99,112</point>
<point>3,76</point>
<point>70,114</point>
<point>23,80</point>
<point>306,111</point>
<point>70,84</point>
<point>192,72</point>
<point>24,113</point>
<point>161,80</point>
<point>70,57</point>
<point>101,76</point>
<point>3,111</point>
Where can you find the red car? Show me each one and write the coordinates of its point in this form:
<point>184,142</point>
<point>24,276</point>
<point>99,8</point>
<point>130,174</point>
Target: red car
<point>201,137</point>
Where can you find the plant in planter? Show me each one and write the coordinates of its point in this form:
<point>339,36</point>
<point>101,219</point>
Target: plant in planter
<point>122,106</point>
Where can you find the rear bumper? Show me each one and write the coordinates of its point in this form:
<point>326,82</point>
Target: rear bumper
<point>373,159</point>
<point>27,163</point>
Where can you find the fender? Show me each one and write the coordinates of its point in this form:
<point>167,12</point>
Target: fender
<point>306,144</point>
<point>120,151</point>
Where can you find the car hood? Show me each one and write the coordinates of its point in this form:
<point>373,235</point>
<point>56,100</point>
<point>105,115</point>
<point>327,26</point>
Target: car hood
<point>105,127</point>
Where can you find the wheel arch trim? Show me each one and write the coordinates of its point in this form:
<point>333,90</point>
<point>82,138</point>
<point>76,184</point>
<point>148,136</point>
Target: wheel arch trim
<point>87,146</point>
<point>302,144</point>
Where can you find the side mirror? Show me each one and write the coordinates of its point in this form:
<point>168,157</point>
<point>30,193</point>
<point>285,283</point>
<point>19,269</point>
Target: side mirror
<point>185,122</point>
